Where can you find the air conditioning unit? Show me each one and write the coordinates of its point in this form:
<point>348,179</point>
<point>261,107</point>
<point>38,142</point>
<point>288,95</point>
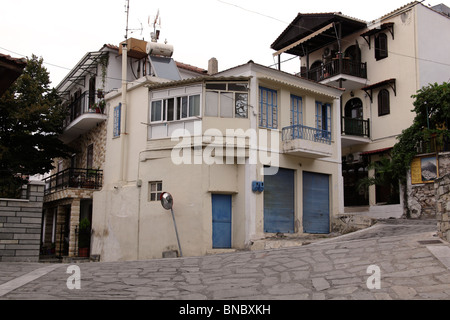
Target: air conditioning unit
<point>353,157</point>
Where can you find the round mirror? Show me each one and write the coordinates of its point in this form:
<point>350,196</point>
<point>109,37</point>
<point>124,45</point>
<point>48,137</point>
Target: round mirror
<point>166,200</point>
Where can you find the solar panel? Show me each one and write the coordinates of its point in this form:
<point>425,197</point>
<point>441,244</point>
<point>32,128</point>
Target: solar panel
<point>165,68</point>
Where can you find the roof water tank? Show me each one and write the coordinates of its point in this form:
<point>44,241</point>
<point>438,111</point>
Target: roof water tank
<point>159,49</point>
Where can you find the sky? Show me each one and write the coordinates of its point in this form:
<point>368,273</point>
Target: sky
<point>232,31</point>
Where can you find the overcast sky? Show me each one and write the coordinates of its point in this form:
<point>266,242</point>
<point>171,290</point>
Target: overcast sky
<point>232,31</point>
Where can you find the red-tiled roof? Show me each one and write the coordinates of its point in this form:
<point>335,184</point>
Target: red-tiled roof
<point>20,62</point>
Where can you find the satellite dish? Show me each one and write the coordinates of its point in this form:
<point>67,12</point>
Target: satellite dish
<point>166,200</point>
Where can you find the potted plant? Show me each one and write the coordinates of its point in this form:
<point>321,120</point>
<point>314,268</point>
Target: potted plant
<point>84,238</point>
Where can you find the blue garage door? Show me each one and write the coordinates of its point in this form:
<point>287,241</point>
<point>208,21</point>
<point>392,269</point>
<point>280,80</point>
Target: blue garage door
<point>316,203</point>
<point>221,220</point>
<point>279,201</point>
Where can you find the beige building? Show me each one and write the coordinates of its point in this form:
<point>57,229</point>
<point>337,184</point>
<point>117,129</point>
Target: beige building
<point>380,64</point>
<point>246,153</point>
<point>70,186</point>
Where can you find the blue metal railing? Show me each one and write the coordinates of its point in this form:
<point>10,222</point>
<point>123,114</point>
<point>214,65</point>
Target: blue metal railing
<point>306,133</point>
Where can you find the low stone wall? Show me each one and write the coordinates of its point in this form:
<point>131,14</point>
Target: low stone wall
<point>421,197</point>
<point>20,225</point>
<point>442,188</point>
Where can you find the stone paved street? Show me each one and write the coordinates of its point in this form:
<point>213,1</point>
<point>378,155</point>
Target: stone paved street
<point>334,268</point>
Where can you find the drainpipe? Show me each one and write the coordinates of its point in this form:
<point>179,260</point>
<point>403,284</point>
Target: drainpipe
<point>123,118</point>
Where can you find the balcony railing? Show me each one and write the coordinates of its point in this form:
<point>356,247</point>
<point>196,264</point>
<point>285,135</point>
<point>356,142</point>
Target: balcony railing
<point>306,133</point>
<point>74,178</point>
<point>435,144</point>
<point>355,127</point>
<point>84,104</point>
<point>327,70</point>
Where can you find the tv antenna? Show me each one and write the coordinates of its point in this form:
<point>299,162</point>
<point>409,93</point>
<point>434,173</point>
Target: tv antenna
<point>127,11</point>
<point>156,27</point>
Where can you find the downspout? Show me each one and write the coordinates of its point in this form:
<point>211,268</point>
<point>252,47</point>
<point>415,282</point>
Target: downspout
<point>123,116</point>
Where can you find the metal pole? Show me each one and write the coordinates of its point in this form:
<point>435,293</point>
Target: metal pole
<point>176,231</point>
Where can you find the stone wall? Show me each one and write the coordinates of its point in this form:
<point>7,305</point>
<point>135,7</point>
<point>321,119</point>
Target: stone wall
<point>20,225</point>
<point>442,187</point>
<point>421,197</point>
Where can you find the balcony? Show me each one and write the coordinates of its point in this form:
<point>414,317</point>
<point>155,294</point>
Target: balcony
<point>83,114</point>
<point>307,142</point>
<point>352,72</point>
<point>355,131</point>
<point>74,178</point>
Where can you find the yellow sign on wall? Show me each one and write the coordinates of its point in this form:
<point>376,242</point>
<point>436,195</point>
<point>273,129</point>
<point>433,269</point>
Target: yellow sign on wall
<point>424,170</point>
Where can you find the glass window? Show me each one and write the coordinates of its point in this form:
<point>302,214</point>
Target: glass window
<point>182,103</point>
<point>383,103</point>
<point>155,190</point>
<point>381,46</point>
<point>170,106</point>
<point>216,86</point>
<point>212,104</point>
<point>241,110</point>
<point>117,116</point>
<point>194,106</point>
<point>268,108</point>
<point>156,112</point>
<point>226,105</point>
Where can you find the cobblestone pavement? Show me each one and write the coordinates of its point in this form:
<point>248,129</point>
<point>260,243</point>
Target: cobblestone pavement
<point>346,267</point>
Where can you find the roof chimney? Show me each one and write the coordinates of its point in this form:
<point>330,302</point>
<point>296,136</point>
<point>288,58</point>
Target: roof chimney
<point>213,66</point>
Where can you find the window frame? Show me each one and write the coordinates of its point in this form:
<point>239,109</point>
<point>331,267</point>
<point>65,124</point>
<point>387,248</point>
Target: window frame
<point>117,115</point>
<point>381,46</point>
<point>384,102</point>
<point>222,91</point>
<point>265,106</point>
<point>156,193</point>
<point>177,112</point>
<point>320,108</point>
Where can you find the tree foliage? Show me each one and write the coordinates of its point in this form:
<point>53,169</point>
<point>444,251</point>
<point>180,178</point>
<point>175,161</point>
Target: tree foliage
<point>31,118</point>
<point>432,109</point>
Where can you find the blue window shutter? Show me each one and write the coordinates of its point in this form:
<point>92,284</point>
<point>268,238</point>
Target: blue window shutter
<point>117,120</point>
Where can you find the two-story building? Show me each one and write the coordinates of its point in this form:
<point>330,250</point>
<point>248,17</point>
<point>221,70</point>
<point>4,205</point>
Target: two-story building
<point>380,64</point>
<point>246,154</point>
<point>70,186</point>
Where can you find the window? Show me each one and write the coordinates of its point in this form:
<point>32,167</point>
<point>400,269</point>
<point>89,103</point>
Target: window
<point>323,119</point>
<point>173,109</point>
<point>227,100</point>
<point>117,115</point>
<point>155,190</point>
<point>90,156</point>
<point>268,108</point>
<point>381,46</point>
<point>383,103</point>
<point>296,111</point>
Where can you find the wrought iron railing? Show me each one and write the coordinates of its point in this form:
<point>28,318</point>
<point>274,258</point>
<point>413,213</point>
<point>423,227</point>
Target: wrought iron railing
<point>306,133</point>
<point>355,127</point>
<point>74,178</point>
<point>434,144</point>
<point>86,103</point>
<point>330,69</point>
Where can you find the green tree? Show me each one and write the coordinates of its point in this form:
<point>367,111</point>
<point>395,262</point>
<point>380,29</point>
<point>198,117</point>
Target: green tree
<point>31,119</point>
<point>429,131</point>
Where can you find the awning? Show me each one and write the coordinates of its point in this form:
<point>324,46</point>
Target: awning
<point>375,151</point>
<point>312,35</point>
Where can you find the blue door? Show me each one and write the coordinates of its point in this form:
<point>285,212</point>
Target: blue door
<point>316,203</point>
<point>279,202</point>
<point>221,220</point>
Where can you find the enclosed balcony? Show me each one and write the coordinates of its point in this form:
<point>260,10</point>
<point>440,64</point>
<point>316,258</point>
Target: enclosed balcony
<point>307,142</point>
<point>84,113</point>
